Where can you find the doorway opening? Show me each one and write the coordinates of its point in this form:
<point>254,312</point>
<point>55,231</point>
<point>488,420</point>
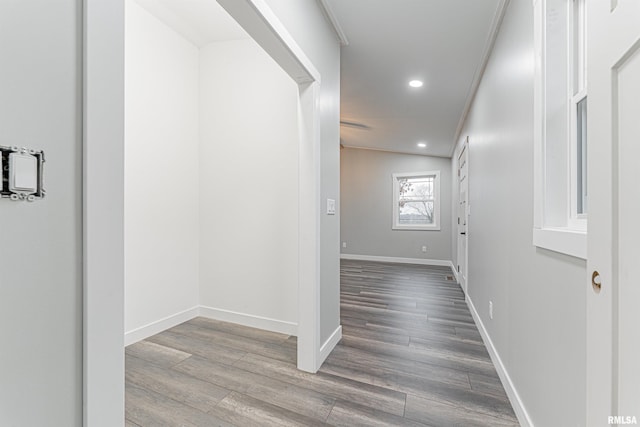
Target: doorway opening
<point>105,209</point>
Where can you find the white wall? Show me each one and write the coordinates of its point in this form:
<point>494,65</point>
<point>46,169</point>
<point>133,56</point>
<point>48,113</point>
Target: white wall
<point>367,204</point>
<point>538,327</point>
<point>308,27</point>
<point>249,186</point>
<point>40,242</point>
<point>161,171</point>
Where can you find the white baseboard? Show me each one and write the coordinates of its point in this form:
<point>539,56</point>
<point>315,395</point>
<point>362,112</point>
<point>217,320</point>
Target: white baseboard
<point>158,326</point>
<point>273,325</point>
<point>509,387</point>
<point>329,345</point>
<point>421,261</point>
<point>455,271</point>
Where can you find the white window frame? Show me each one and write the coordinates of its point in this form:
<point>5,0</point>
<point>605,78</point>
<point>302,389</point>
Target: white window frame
<point>435,226</point>
<point>578,91</point>
<point>570,235</point>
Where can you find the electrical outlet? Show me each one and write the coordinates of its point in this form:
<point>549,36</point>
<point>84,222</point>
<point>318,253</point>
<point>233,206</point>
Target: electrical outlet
<point>491,310</point>
<point>344,244</point>
<point>424,249</point>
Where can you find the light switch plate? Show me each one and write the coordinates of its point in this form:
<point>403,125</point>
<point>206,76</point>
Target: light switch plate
<point>331,207</point>
<point>23,173</point>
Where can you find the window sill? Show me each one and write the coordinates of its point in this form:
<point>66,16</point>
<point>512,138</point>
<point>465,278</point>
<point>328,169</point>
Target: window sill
<point>562,240</point>
<point>416,227</point>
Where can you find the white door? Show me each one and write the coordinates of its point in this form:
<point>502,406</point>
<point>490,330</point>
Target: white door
<point>463,211</point>
<point>613,309</point>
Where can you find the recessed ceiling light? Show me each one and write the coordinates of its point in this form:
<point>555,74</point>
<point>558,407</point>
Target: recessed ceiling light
<point>415,83</point>
<point>422,145</point>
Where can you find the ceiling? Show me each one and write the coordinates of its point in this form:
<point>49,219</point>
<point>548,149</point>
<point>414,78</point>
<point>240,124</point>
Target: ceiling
<point>390,42</point>
<point>199,21</point>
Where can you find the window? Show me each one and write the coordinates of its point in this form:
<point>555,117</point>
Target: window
<point>416,201</point>
<point>578,105</point>
<point>560,132</point>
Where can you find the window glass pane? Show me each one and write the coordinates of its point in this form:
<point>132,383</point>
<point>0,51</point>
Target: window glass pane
<point>416,213</point>
<point>581,177</point>
<point>419,188</point>
<point>579,46</point>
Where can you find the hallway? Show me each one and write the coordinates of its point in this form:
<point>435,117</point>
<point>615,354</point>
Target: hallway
<point>410,355</point>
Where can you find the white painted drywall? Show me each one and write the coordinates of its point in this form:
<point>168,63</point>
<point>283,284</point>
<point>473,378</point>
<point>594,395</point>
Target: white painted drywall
<point>248,183</point>
<point>311,31</point>
<point>538,298</point>
<point>40,242</point>
<point>161,170</point>
<point>366,190</point>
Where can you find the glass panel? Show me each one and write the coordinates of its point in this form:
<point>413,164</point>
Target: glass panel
<point>579,46</point>
<point>419,188</point>
<point>581,177</point>
<point>416,213</point>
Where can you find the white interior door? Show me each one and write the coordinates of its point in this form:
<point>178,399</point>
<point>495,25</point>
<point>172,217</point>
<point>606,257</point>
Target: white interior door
<point>613,314</point>
<point>463,212</point>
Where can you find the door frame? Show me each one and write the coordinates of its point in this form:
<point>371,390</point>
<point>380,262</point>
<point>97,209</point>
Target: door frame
<point>103,195</point>
<point>465,148</point>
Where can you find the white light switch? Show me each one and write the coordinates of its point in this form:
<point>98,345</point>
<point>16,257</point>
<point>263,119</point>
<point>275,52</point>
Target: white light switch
<point>331,207</point>
<point>23,173</point>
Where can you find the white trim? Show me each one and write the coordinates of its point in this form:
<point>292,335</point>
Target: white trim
<point>477,78</point>
<point>333,20</point>
<point>435,226</point>
<point>309,211</point>
<point>161,325</point>
<point>563,240</point>
<point>455,274</point>
<point>259,21</point>
<point>507,383</point>
<point>397,260</point>
<point>569,237</point>
<point>103,338</point>
<point>103,213</point>
<point>329,345</point>
<point>250,320</point>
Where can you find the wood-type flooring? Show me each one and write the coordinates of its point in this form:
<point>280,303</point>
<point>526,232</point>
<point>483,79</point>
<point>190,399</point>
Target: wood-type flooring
<point>410,355</point>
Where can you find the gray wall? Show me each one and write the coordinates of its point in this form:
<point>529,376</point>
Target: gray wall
<point>40,250</point>
<point>306,23</point>
<point>367,199</point>
<point>538,327</point>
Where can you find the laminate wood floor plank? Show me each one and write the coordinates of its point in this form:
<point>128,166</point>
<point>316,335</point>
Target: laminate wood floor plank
<point>388,372</point>
<point>347,414</point>
<point>239,330</point>
<point>242,410</point>
<point>285,395</point>
<point>156,353</point>
<point>237,342</point>
<point>384,337</point>
<point>430,356</point>
<point>487,385</point>
<point>173,384</point>
<point>410,355</point>
<point>441,414</point>
<point>336,386</point>
<point>211,350</point>
<point>148,408</point>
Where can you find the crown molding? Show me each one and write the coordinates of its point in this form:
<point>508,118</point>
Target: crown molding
<point>333,20</point>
